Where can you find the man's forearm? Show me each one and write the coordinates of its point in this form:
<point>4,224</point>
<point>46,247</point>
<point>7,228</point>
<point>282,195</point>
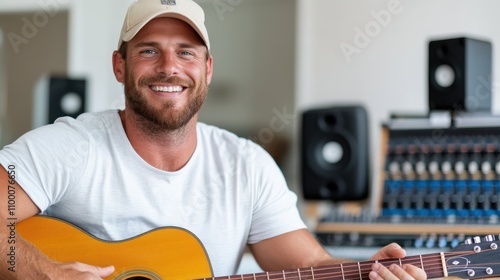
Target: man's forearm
<point>21,260</point>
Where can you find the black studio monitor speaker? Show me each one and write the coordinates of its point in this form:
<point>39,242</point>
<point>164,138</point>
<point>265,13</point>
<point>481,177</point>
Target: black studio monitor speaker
<point>58,96</point>
<point>460,75</point>
<point>334,154</point>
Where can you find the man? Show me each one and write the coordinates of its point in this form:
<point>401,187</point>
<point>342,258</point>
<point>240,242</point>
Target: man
<point>118,174</point>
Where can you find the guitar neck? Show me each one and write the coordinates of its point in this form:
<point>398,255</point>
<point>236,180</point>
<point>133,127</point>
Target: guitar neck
<point>432,264</point>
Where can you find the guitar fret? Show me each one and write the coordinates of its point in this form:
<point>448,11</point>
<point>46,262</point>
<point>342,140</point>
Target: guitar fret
<point>342,269</point>
<point>312,272</point>
<point>298,271</point>
<point>422,263</point>
<point>284,277</point>
<point>445,271</point>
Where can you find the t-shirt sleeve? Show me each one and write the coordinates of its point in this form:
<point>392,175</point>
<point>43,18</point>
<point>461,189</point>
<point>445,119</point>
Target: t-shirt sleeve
<point>275,209</point>
<point>48,160</point>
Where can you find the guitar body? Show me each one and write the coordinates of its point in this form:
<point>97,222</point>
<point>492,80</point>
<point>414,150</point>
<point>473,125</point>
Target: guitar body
<point>164,253</point>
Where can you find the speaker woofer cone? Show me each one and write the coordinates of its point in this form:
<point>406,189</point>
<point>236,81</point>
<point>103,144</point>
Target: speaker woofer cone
<point>444,75</point>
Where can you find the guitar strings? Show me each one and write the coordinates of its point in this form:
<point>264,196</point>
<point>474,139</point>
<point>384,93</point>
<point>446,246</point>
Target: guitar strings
<point>348,270</point>
<point>432,266</point>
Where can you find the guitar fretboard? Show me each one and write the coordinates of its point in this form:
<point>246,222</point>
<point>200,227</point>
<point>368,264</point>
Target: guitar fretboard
<point>431,263</point>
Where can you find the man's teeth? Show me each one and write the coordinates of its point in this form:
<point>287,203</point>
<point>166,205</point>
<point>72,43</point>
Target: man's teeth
<point>167,89</point>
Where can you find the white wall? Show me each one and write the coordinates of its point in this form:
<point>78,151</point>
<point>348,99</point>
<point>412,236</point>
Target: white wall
<point>389,74</point>
<point>254,62</point>
<point>95,28</point>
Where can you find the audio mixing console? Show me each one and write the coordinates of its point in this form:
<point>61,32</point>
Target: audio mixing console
<point>440,184</point>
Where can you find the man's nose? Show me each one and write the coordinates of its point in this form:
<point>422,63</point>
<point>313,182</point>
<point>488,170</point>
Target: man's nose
<point>168,64</point>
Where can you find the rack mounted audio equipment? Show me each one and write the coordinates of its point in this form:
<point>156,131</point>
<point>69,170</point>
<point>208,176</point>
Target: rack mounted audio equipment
<point>440,184</point>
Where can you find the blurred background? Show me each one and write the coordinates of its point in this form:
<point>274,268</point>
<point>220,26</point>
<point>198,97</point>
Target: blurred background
<point>273,59</point>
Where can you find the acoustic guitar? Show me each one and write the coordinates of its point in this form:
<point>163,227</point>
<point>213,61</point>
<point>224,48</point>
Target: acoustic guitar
<point>174,253</point>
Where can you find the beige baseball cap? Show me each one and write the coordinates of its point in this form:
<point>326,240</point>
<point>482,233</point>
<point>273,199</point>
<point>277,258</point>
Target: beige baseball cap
<point>140,12</point>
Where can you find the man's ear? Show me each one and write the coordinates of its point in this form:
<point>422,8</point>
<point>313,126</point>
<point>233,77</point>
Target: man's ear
<point>210,68</point>
<point>119,67</point>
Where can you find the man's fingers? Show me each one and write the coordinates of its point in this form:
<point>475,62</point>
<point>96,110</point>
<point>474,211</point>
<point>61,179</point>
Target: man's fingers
<point>104,272</point>
<point>390,251</point>
<point>414,271</point>
<point>77,270</point>
<point>394,271</point>
<point>380,272</point>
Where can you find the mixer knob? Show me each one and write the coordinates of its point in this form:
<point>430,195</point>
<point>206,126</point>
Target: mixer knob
<point>446,167</point>
<point>419,243</point>
<point>497,167</point>
<point>460,167</point>
<point>394,167</point>
<point>442,242</point>
<point>430,243</point>
<point>420,167</point>
<point>434,167</point>
<point>454,242</point>
<point>473,167</point>
<point>407,167</point>
<point>486,167</point>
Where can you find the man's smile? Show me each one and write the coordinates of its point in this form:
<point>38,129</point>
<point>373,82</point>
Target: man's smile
<point>167,89</point>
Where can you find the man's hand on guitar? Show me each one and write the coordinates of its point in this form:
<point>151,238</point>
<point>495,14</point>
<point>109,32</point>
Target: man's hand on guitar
<point>77,271</point>
<point>394,271</point>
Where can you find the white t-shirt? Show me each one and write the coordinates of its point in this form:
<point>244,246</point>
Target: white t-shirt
<point>85,171</point>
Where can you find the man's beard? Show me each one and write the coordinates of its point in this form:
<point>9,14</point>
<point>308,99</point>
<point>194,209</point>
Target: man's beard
<point>167,117</point>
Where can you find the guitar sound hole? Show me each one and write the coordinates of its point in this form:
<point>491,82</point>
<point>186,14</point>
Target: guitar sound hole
<point>138,275</point>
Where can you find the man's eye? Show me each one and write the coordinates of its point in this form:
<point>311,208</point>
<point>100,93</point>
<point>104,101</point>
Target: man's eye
<point>148,52</point>
<point>186,53</point>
